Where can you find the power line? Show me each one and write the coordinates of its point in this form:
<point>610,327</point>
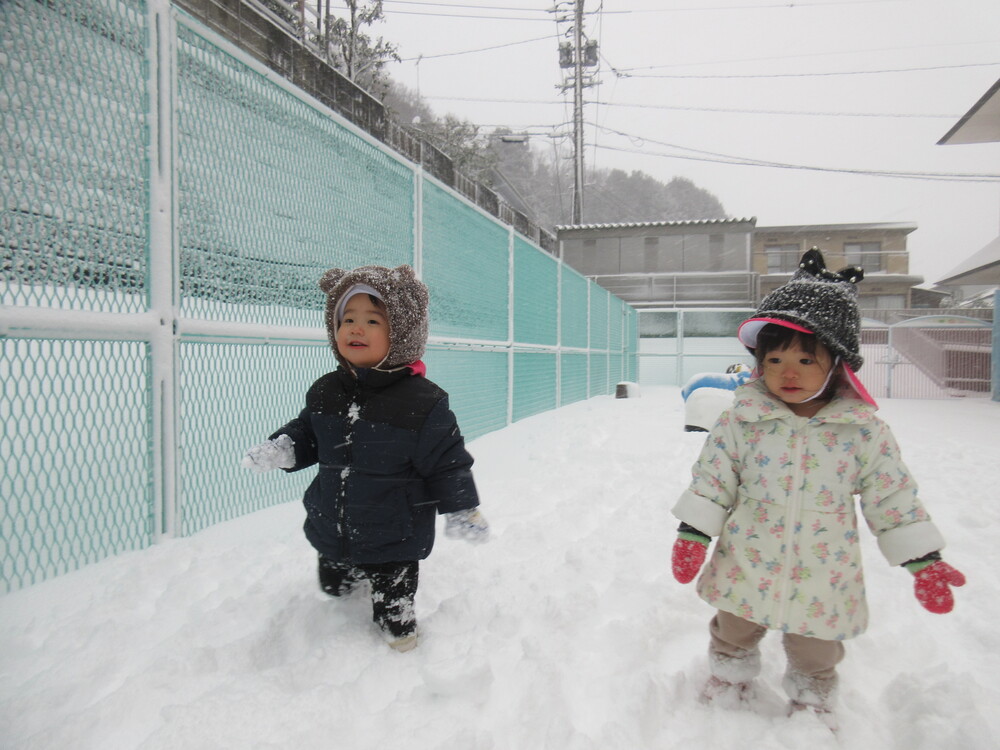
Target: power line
<point>547,38</point>
<point>722,110</point>
<point>766,6</point>
<point>549,12</point>
<point>628,72</point>
<point>466,5</point>
<point>638,11</point>
<point>783,112</point>
<point>719,158</point>
<point>929,176</point>
<point>835,53</point>
<point>544,14</point>
<point>467,15</point>
<point>809,75</point>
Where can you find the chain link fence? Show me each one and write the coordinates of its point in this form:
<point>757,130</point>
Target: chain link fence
<point>920,356</point>
<point>168,206</point>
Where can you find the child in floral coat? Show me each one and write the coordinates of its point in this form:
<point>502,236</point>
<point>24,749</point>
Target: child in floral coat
<point>776,481</point>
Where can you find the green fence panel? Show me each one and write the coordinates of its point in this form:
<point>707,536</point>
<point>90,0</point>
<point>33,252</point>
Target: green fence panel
<point>268,190</point>
<point>599,318</point>
<point>476,382</point>
<point>535,383</point>
<point>272,192</point>
<point>573,384</point>
<point>73,144</point>
<point>536,295</point>
<point>599,376</point>
<point>574,312</point>
<point>466,267</point>
<point>617,371</point>
<point>617,315</point>
<point>233,396</point>
<point>76,455</point>
<point>632,346</point>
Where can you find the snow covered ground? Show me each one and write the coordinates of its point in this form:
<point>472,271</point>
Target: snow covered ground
<point>566,631</point>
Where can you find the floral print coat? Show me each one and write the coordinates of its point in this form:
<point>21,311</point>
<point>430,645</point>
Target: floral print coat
<point>778,491</point>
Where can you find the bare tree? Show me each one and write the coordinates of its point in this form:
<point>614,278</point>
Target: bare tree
<point>358,55</point>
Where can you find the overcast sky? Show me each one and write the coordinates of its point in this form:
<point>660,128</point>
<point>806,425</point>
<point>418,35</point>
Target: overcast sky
<point>697,88</point>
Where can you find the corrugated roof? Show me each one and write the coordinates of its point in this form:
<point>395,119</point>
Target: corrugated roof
<point>880,226</point>
<point>641,224</point>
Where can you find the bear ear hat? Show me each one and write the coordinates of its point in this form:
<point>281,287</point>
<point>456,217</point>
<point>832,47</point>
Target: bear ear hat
<point>815,300</point>
<point>812,264</point>
<point>328,281</point>
<point>406,300</point>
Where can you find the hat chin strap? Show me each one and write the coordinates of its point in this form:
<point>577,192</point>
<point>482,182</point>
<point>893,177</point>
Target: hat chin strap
<point>829,377</point>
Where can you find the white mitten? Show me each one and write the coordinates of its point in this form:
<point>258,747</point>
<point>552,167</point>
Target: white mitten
<point>271,454</point>
<point>469,525</point>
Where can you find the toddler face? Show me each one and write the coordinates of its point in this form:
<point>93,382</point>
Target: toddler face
<point>794,375</point>
<point>363,333</point>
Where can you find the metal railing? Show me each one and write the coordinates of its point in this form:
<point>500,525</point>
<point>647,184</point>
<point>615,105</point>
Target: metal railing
<point>292,44</point>
<point>936,357</point>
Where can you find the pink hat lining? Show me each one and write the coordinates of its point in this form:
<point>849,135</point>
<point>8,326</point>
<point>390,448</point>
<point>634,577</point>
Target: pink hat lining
<point>748,330</point>
<point>747,335</point>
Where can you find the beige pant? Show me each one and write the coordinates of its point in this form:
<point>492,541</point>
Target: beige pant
<point>811,676</point>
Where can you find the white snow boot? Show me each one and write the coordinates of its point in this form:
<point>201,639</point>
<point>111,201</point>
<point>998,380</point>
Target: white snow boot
<point>730,695</point>
<point>815,696</point>
<point>826,716</point>
<point>406,643</point>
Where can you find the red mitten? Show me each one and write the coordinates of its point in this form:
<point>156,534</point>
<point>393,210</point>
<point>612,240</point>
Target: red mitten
<point>931,587</point>
<point>687,558</point>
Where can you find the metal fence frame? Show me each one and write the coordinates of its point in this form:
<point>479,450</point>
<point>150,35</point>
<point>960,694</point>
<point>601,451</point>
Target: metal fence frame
<point>584,350</point>
<point>952,366</point>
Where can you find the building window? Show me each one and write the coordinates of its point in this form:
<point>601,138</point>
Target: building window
<point>886,302</point>
<point>868,255</point>
<point>696,254</point>
<point>650,253</point>
<point>585,257</point>
<point>716,252</point>
<point>782,258</point>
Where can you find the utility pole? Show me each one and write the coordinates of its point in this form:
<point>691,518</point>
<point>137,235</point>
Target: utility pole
<point>580,54</point>
<point>578,114</point>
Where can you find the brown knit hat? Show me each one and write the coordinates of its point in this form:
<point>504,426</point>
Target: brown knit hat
<point>405,298</point>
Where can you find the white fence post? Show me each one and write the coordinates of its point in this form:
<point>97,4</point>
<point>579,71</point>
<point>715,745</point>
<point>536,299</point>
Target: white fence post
<point>162,265</point>
<point>996,347</point>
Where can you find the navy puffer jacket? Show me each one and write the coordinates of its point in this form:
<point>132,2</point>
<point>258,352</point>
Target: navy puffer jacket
<point>390,457</point>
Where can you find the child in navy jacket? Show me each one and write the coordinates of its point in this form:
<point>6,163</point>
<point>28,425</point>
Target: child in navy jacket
<point>389,450</point>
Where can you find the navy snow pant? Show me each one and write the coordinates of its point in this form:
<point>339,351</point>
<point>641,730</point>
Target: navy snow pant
<point>393,584</point>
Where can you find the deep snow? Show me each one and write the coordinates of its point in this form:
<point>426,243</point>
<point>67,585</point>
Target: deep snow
<point>566,631</point>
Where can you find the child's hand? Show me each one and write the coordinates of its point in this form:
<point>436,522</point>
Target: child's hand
<point>687,558</point>
<point>931,586</point>
<point>469,525</point>
<point>272,454</point>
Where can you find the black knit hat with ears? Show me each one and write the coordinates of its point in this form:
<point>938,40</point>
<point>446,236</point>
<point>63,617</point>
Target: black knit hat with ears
<point>405,298</point>
<point>815,300</point>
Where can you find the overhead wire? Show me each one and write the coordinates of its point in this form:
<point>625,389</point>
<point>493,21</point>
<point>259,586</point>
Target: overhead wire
<point>928,176</point>
<point>694,154</point>
<point>721,110</point>
<point>707,76</point>
<point>546,38</point>
<point>628,11</point>
<point>800,55</point>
